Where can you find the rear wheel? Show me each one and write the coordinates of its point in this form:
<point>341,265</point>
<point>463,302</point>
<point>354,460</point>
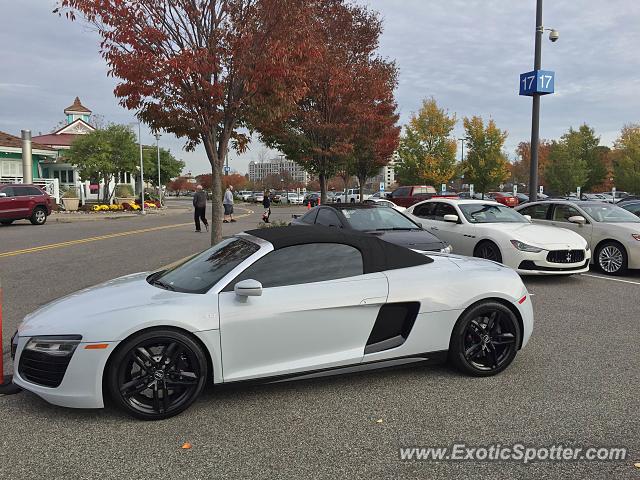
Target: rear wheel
<point>157,374</point>
<point>488,250</point>
<point>39,216</point>
<point>485,339</point>
<point>611,258</point>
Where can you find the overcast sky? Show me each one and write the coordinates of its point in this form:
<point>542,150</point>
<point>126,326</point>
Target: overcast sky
<point>467,54</point>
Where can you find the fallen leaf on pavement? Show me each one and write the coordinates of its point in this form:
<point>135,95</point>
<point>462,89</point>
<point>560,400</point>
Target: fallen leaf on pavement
<point>186,445</point>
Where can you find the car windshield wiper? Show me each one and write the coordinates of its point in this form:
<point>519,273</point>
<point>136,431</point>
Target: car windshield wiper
<point>161,284</point>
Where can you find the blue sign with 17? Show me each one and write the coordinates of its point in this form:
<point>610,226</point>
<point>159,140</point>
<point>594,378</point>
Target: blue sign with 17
<point>540,82</point>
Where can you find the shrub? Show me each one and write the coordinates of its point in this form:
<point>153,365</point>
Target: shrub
<point>124,191</point>
<point>71,192</point>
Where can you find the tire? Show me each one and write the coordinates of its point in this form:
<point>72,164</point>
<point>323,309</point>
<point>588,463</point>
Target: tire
<point>485,339</point>
<point>611,258</point>
<point>39,216</point>
<point>6,222</point>
<point>353,200</point>
<point>153,366</point>
<point>488,250</point>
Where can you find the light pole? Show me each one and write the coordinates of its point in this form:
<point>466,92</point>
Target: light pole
<point>157,135</point>
<point>142,212</point>
<point>535,111</point>
<point>461,140</point>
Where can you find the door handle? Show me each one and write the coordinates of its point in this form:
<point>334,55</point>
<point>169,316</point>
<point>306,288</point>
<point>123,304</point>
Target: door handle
<point>434,228</point>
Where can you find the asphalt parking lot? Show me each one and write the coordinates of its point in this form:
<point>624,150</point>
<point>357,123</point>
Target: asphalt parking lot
<point>576,383</point>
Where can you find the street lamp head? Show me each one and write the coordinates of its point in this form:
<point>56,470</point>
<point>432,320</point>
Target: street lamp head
<point>554,35</point>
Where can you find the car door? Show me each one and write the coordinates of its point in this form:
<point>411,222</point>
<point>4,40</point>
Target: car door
<point>560,215</point>
<point>449,232</point>
<point>316,311</point>
<point>8,204</point>
<point>24,201</point>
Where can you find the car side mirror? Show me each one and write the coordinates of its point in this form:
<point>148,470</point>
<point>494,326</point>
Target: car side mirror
<point>388,195</point>
<point>528,217</point>
<point>451,218</point>
<point>579,219</point>
<point>2,194</point>
<point>248,288</point>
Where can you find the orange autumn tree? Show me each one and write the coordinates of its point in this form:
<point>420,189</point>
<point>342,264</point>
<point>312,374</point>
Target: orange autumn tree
<point>319,132</point>
<point>202,70</point>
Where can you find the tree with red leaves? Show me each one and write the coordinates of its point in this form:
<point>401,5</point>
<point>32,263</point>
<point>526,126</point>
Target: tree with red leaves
<point>202,70</point>
<point>376,133</point>
<point>319,133</point>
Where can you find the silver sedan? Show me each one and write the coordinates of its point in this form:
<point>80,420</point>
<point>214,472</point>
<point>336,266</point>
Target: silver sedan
<point>613,233</point>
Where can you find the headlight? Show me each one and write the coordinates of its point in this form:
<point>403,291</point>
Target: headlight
<point>447,249</point>
<point>636,236</point>
<point>58,345</point>
<point>523,247</point>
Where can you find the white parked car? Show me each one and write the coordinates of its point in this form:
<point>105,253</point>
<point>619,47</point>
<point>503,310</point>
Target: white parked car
<point>613,233</point>
<point>294,199</point>
<point>245,195</point>
<point>493,231</point>
<point>383,202</point>
<point>269,304</point>
<point>352,195</point>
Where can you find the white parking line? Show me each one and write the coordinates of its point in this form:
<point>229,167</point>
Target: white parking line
<point>611,279</point>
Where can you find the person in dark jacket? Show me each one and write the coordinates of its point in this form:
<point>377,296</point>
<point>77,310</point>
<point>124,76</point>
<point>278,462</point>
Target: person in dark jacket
<point>266,203</point>
<point>200,208</point>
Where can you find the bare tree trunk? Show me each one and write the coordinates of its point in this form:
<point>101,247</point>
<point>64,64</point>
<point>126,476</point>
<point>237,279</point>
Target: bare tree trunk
<point>361,180</point>
<point>216,189</point>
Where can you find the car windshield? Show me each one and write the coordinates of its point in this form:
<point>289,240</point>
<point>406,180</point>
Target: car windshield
<point>490,213</point>
<point>374,218</point>
<point>203,271</point>
<point>604,212</point>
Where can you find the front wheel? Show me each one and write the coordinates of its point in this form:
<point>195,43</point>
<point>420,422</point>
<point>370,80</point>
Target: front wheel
<point>157,374</point>
<point>489,251</point>
<point>485,339</point>
<point>611,258</point>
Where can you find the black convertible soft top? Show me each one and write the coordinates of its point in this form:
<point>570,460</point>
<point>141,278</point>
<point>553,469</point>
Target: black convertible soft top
<point>377,255</point>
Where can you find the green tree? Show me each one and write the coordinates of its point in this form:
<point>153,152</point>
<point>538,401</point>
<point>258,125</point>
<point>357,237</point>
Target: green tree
<point>105,153</point>
<point>170,166</point>
<point>485,164</point>
<point>626,159</point>
<point>564,170</point>
<point>583,144</point>
<point>427,152</point>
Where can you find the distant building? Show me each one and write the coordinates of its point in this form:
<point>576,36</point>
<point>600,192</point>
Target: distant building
<point>260,170</point>
<point>386,175</point>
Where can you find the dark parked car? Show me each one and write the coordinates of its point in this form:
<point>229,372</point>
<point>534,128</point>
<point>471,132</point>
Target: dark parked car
<point>312,198</point>
<point>631,206</point>
<point>386,223</point>
<point>20,201</point>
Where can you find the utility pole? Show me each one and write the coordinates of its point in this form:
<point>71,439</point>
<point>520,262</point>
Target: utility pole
<point>535,111</point>
<point>157,135</point>
<point>141,169</point>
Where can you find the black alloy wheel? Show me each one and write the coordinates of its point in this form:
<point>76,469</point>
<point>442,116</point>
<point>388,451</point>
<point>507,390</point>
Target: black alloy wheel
<point>485,340</point>
<point>157,374</point>
<point>489,251</point>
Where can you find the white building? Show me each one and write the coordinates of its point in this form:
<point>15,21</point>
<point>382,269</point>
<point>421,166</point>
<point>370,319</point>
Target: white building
<point>260,170</point>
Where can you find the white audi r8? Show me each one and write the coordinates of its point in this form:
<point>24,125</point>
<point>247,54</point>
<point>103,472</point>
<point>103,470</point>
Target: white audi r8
<point>490,230</point>
<point>269,304</point>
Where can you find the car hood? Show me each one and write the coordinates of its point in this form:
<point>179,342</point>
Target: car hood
<point>542,236</point>
<point>414,239</point>
<point>108,311</point>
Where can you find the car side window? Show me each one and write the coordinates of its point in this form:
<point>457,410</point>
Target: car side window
<point>300,264</point>
<point>420,191</point>
<point>634,208</point>
<point>21,191</point>
<point>328,218</point>
<point>34,191</point>
<point>309,217</point>
<point>8,191</point>
<point>425,210</point>
<point>536,212</point>
<point>443,209</point>
<point>562,213</point>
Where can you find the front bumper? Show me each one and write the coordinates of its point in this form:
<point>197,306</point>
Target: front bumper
<point>528,263</point>
<point>81,386</point>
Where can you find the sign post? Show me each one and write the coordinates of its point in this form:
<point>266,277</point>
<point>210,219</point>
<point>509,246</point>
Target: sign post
<point>578,192</point>
<point>515,190</point>
<point>382,186</point>
<point>541,190</point>
<point>613,192</point>
<point>443,188</point>
<point>471,190</point>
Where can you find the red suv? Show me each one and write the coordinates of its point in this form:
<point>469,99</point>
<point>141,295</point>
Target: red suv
<point>20,201</point>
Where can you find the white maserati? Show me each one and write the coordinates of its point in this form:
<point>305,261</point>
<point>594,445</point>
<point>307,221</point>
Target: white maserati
<point>269,304</point>
<point>493,231</point>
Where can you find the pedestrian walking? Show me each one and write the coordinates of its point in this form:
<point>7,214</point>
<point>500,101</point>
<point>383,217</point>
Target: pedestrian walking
<point>227,203</point>
<point>266,203</point>
<point>200,208</point>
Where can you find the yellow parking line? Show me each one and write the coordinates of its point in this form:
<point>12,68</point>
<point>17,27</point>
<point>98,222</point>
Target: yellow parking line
<point>101,237</point>
<point>89,239</point>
